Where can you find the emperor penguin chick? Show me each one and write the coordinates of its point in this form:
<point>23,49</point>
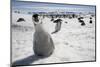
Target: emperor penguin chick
<point>43,43</point>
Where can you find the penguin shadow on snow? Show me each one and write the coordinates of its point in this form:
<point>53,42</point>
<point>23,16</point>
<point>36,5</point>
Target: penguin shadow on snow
<point>27,61</point>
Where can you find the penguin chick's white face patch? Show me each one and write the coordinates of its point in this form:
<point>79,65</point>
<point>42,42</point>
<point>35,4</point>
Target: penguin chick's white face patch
<point>37,20</point>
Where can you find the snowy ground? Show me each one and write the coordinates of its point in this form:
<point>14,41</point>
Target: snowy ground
<point>72,43</point>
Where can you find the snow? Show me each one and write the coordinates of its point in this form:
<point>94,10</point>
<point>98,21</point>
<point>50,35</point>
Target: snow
<point>72,43</point>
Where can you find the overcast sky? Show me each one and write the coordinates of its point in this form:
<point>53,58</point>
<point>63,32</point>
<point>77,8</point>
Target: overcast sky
<point>49,7</point>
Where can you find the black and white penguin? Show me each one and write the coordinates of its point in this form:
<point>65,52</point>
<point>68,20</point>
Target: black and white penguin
<point>43,44</point>
<point>58,25</point>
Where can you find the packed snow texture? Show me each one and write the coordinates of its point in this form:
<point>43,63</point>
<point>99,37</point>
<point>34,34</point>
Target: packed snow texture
<point>72,43</point>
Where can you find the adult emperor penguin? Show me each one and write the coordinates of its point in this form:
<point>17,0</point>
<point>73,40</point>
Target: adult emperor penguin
<point>58,25</point>
<point>43,44</point>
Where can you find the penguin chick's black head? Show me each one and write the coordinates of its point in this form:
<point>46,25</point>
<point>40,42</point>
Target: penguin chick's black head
<point>35,17</point>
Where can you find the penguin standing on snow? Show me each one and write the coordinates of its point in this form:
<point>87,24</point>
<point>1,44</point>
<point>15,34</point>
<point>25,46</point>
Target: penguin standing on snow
<point>58,25</point>
<point>90,20</point>
<point>80,19</point>
<point>43,43</point>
